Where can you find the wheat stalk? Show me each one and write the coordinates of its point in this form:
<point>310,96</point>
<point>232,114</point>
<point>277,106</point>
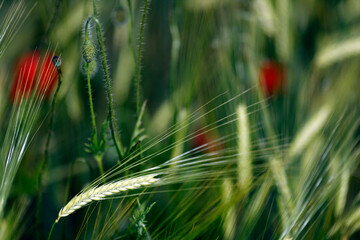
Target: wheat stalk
<point>100,193</point>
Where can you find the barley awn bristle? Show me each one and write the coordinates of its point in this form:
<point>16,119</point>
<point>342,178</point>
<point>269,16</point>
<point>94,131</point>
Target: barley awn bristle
<point>101,192</point>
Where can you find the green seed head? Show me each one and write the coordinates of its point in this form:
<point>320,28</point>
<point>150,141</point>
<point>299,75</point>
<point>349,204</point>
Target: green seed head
<point>88,51</point>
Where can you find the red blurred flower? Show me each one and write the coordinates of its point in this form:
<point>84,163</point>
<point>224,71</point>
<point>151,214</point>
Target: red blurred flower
<point>206,141</point>
<point>33,71</point>
<point>272,78</point>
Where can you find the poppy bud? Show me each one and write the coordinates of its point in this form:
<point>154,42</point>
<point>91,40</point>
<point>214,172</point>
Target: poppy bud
<point>32,71</point>
<point>56,61</point>
<point>272,78</point>
<point>88,51</point>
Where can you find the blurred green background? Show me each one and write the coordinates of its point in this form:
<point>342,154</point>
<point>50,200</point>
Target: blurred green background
<point>195,51</point>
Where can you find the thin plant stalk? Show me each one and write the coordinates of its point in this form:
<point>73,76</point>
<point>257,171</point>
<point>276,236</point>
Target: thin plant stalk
<point>94,8</point>
<point>46,155</point>
<point>97,157</point>
<point>130,26</point>
<point>51,230</point>
<point>91,103</point>
<point>138,71</point>
<point>113,127</point>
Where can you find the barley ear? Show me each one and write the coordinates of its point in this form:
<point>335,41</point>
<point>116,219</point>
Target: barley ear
<point>244,149</point>
<point>102,192</point>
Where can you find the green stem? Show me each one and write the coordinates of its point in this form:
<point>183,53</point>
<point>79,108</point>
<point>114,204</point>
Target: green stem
<point>116,137</point>
<point>142,26</point>
<point>130,29</point>
<point>97,158</point>
<point>46,156</point>
<point>91,103</point>
<point>51,22</point>
<point>51,124</point>
<point>99,161</point>
<point>113,127</point>
<point>130,9</point>
<point>67,193</point>
<point>94,8</point>
<point>95,139</point>
<point>52,228</point>
<point>148,237</point>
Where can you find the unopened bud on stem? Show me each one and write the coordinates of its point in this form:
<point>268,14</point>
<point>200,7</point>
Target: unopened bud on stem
<point>88,51</point>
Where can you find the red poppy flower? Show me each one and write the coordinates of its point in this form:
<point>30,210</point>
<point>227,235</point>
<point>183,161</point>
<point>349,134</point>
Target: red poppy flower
<point>33,71</point>
<point>272,78</point>
<point>206,141</point>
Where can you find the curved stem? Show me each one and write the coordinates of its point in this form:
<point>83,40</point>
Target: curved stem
<point>113,127</point>
<point>52,228</point>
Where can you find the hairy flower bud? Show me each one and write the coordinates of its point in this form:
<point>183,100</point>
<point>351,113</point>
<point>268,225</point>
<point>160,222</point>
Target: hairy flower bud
<point>88,51</point>
<point>92,68</point>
